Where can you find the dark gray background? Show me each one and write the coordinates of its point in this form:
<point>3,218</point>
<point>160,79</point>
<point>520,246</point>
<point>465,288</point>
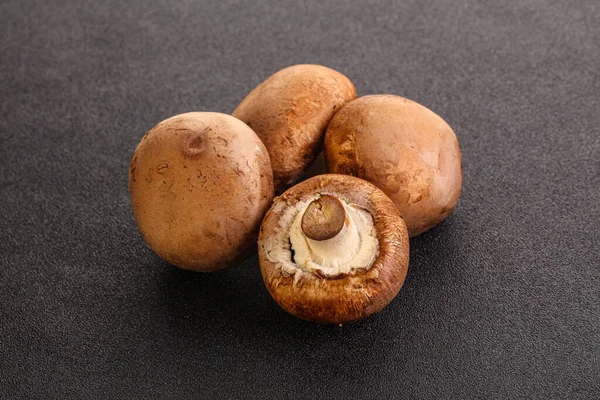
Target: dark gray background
<point>501,300</point>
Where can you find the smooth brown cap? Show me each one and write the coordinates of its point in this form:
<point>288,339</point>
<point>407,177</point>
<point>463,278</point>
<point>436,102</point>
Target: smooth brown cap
<point>200,184</point>
<point>289,111</point>
<point>403,148</point>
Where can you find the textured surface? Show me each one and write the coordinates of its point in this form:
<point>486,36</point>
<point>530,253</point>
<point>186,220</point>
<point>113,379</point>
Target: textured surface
<point>405,149</point>
<point>501,299</point>
<point>292,108</point>
<point>200,184</point>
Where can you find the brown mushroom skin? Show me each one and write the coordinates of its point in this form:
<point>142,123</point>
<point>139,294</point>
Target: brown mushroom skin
<point>403,148</point>
<point>345,298</point>
<point>289,112</point>
<point>200,184</point>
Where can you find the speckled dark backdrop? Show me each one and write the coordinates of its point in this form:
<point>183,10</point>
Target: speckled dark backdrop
<point>501,300</point>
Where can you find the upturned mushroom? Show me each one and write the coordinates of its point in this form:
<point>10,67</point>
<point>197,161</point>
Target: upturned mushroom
<point>289,112</point>
<point>200,184</point>
<point>403,148</point>
<point>333,249</point>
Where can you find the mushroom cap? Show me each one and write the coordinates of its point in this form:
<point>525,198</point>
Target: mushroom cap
<point>200,184</point>
<point>289,112</point>
<point>347,297</point>
<point>403,148</point>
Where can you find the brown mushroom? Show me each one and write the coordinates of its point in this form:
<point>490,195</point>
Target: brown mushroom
<point>200,184</point>
<point>290,111</point>
<point>319,269</point>
<point>403,148</point>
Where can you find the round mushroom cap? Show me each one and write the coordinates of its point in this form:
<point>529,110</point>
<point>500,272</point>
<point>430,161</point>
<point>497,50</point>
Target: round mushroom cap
<point>200,184</point>
<point>289,112</point>
<point>345,297</point>
<point>403,148</point>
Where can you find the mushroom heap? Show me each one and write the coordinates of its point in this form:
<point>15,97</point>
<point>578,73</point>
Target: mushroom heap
<point>333,248</point>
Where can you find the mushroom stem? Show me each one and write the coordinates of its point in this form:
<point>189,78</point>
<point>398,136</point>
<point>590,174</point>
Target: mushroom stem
<point>323,219</point>
<point>331,237</point>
